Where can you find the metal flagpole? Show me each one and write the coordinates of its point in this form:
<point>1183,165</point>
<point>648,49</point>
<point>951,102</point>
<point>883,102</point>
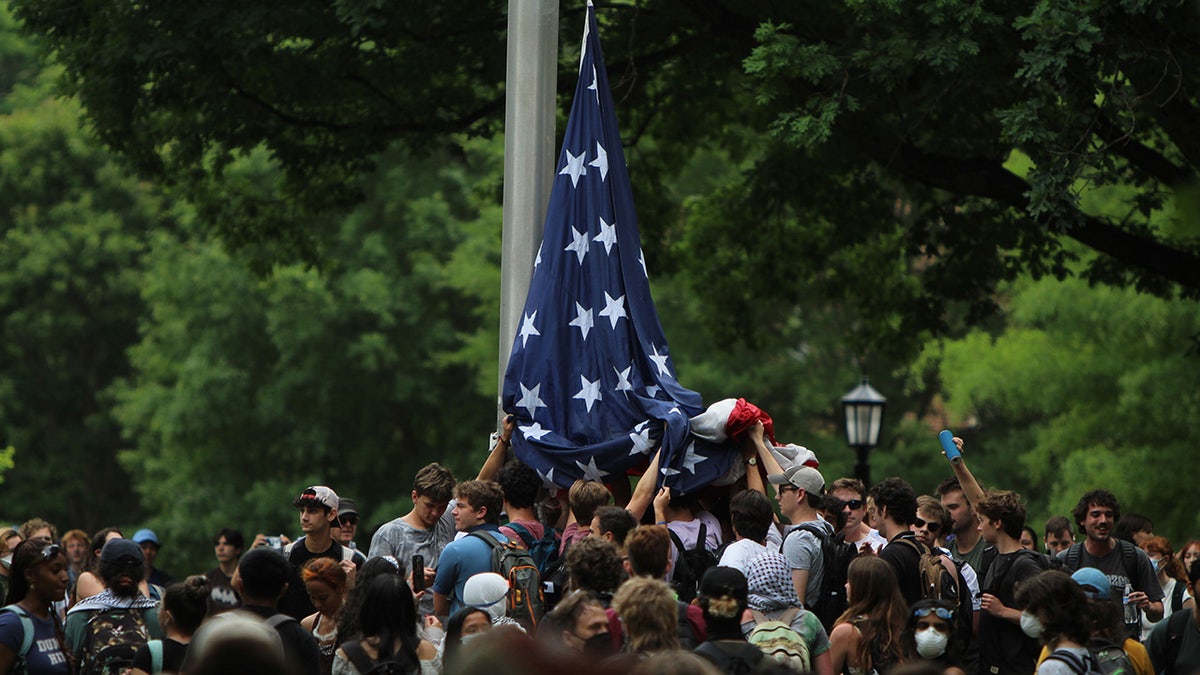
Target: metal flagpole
<point>528,153</point>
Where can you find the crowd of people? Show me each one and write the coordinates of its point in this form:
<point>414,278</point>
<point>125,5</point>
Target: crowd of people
<point>779,572</point>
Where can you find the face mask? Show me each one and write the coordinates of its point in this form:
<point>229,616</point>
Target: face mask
<point>1155,563</point>
<point>1031,626</point>
<point>472,636</point>
<point>598,646</point>
<point>931,643</point>
<point>6,561</point>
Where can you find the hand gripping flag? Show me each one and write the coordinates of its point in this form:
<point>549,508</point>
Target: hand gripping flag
<point>590,378</point>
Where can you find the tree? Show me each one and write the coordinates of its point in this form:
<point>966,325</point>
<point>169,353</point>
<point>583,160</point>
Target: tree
<point>878,135</point>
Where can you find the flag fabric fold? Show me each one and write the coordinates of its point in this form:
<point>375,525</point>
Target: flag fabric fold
<point>590,378</point>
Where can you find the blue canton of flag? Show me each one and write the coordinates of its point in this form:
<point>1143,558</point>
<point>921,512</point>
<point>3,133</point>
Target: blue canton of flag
<point>590,378</point>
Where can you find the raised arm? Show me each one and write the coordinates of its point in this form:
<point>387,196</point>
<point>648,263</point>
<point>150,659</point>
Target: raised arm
<point>966,479</point>
<point>499,454</point>
<point>643,492</point>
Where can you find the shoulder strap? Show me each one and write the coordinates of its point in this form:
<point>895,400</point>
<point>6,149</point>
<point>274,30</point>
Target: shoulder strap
<point>1129,558</point>
<point>813,530</point>
<point>759,617</point>
<point>522,532</point>
<point>358,656</point>
<point>277,620</point>
<point>1176,597</point>
<point>1073,662</point>
<point>26,628</point>
<point>1176,625</point>
<point>156,655</point>
<point>1074,555</point>
<point>701,536</point>
<point>491,541</point>
<point>789,615</point>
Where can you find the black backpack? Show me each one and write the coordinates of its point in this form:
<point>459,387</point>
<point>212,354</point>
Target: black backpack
<point>364,665</point>
<point>1176,626</point>
<point>692,565</point>
<point>111,637</point>
<point>1128,558</point>
<point>544,551</point>
<point>836,553</point>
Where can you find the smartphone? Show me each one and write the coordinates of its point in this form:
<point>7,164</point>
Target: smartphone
<point>418,573</point>
<point>275,543</point>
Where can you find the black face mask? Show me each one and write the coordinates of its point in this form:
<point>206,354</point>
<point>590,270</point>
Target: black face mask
<point>598,646</point>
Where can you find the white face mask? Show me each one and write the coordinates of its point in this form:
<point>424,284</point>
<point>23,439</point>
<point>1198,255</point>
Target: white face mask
<point>931,643</point>
<point>1031,626</point>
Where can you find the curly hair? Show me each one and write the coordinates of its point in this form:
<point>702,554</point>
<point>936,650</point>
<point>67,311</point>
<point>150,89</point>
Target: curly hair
<point>876,609</point>
<point>647,609</point>
<point>34,524</point>
<point>520,484</point>
<point>1004,506</point>
<point>594,565</point>
<point>898,497</point>
<point>1059,603</point>
<point>1100,497</point>
<point>434,481</point>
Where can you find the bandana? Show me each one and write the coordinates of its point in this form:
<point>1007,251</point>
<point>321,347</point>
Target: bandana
<point>770,581</point>
<point>106,599</point>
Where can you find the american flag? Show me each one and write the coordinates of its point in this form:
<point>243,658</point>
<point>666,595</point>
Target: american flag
<point>590,378</point>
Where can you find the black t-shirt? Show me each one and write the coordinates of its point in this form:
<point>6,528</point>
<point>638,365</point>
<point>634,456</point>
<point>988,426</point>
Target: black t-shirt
<point>173,654</point>
<point>298,644</point>
<point>1004,648</point>
<point>296,602</point>
<point>905,560</point>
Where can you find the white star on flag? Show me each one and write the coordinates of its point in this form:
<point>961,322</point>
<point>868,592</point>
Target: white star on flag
<point>623,378</point>
<point>548,479</point>
<point>582,320</point>
<point>530,399</point>
<point>538,260</point>
<point>534,432</point>
<point>652,390</point>
<point>614,309</point>
<point>601,161</point>
<point>574,167</point>
<point>589,392</point>
<point>607,236</point>
<point>641,261</point>
<point>579,244</point>
<point>691,458</point>
<point>527,327</point>
<point>668,471</point>
<point>593,86</point>
<point>642,443</point>
<point>591,471</point>
<point>659,360</point>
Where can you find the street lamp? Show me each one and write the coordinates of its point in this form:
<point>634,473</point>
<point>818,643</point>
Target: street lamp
<point>864,417</point>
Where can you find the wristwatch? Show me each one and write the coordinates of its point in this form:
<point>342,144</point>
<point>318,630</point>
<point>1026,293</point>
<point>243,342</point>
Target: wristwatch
<point>753,461</point>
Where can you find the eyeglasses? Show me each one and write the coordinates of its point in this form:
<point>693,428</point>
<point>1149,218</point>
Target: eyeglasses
<point>941,612</point>
<point>934,527</point>
<point>855,504</point>
<point>788,488</point>
<point>348,520</point>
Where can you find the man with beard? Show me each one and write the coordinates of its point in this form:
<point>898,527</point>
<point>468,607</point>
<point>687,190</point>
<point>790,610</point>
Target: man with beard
<point>112,623</point>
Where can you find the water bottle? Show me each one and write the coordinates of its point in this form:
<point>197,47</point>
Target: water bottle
<point>1131,609</point>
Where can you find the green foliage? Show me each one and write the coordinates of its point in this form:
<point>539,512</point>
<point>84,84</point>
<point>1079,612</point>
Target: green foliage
<point>1087,387</point>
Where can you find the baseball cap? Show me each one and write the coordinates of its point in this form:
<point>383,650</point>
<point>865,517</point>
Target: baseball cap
<point>724,582</point>
<point>319,494</point>
<point>804,477</point>
<point>143,535</point>
<point>1094,583</point>
<point>122,552</point>
<point>346,506</point>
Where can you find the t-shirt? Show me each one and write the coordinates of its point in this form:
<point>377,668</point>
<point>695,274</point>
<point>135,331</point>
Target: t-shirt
<point>173,654</point>
<point>46,653</point>
<point>299,647</point>
<point>536,531</point>
<point>295,602</point>
<point>402,541</point>
<point>806,624</point>
<point>1059,667</point>
<point>572,533</point>
<point>462,559</point>
<point>1003,646</point>
<point>802,549</point>
<point>1144,579</point>
<point>688,532</point>
<point>974,557</point>
<point>906,562</point>
<point>738,554</point>
<point>872,537</point>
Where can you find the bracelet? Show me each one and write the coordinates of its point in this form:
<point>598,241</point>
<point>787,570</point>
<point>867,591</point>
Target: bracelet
<point>661,522</point>
<point>507,444</point>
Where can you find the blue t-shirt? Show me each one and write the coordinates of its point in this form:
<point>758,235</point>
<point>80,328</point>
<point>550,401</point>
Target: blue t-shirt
<point>46,654</point>
<point>462,559</point>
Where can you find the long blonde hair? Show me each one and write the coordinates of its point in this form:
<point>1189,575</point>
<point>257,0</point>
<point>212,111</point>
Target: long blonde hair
<point>877,610</point>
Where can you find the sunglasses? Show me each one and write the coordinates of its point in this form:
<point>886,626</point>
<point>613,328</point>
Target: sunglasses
<point>941,612</point>
<point>348,520</point>
<point>854,504</point>
<point>934,527</point>
<point>51,552</point>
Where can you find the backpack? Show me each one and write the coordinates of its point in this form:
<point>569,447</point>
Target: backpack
<point>1084,666</point>
<point>526,604</point>
<point>26,640</point>
<point>110,639</point>
<point>939,579</point>
<point>156,656</point>
<point>836,553</point>
<point>778,640</point>
<point>1176,625</point>
<point>1176,598</point>
<point>735,657</point>
<point>544,551</point>
<point>692,565</point>
<point>1128,558</point>
<point>1110,658</point>
<point>365,666</point>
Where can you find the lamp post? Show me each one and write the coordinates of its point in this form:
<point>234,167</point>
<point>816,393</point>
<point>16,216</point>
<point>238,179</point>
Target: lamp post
<point>864,417</point>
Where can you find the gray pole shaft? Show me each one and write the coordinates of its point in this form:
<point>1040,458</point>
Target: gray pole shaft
<point>528,153</point>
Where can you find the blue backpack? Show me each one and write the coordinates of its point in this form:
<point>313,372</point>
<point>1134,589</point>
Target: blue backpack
<point>544,551</point>
<point>27,638</point>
